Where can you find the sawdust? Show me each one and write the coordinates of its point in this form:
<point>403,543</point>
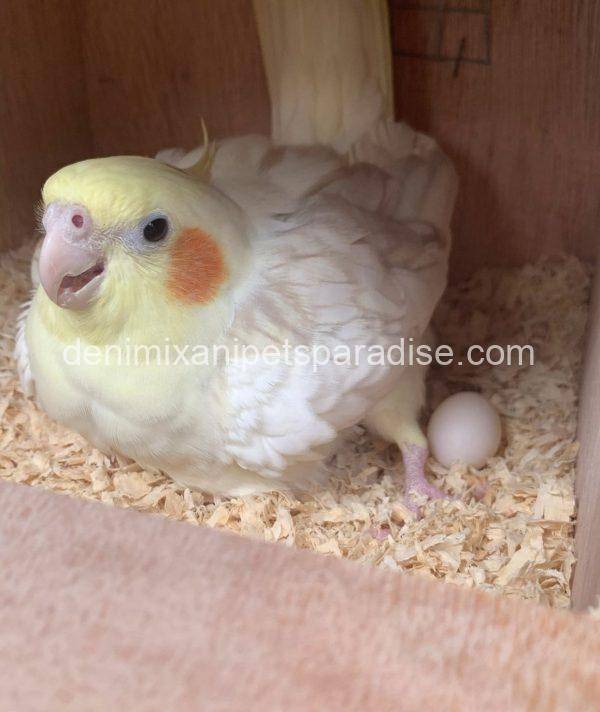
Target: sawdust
<point>517,538</point>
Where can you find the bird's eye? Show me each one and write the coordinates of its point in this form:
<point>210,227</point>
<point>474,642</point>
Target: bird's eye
<point>156,229</point>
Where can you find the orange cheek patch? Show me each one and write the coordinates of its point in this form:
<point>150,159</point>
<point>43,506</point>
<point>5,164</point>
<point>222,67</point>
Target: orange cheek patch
<point>197,268</point>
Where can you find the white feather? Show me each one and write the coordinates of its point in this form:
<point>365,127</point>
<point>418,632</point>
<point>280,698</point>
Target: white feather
<point>332,272</point>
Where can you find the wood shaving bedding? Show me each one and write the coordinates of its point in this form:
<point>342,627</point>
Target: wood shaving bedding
<point>510,526</point>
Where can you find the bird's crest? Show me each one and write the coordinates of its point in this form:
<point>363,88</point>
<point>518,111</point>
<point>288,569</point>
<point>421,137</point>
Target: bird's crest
<point>201,169</point>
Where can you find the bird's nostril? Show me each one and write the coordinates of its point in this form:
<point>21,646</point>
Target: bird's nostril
<point>77,220</point>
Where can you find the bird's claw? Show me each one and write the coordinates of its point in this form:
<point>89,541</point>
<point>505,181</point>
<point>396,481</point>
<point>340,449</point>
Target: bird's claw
<point>417,487</point>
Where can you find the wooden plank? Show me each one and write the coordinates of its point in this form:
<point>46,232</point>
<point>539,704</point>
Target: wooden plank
<point>586,582</point>
<point>155,68</point>
<point>101,77</point>
<point>524,129</point>
<point>43,107</point>
<point>109,609</point>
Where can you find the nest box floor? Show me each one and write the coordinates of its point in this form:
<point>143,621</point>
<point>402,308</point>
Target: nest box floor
<point>510,526</point>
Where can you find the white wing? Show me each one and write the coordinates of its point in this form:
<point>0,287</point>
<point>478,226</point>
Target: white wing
<point>341,280</point>
<point>350,258</point>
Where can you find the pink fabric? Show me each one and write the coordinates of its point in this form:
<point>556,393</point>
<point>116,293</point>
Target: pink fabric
<point>104,609</point>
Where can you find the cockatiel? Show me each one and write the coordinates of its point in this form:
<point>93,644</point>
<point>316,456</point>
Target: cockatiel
<point>244,243</point>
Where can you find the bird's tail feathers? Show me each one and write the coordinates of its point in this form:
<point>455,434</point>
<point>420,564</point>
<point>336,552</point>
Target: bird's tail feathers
<point>328,66</point>
<point>329,71</point>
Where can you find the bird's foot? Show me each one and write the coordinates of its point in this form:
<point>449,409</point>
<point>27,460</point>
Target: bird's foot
<point>416,485</point>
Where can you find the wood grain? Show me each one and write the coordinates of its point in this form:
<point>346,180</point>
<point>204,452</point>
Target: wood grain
<point>155,68</point>
<point>586,582</point>
<point>523,130</point>
<point>44,121</point>
<point>80,78</point>
<point>96,77</point>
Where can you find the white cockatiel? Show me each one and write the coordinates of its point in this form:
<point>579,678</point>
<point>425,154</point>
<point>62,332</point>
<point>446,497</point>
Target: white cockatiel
<point>318,259</point>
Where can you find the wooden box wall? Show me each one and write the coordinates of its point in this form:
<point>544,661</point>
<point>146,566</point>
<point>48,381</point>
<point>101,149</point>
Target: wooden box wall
<point>83,78</point>
<point>511,88</point>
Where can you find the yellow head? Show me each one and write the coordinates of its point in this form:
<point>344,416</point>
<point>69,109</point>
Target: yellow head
<point>130,238</point>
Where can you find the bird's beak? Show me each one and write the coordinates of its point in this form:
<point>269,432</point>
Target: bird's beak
<point>71,265</point>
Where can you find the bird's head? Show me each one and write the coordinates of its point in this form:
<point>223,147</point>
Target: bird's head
<point>126,231</point>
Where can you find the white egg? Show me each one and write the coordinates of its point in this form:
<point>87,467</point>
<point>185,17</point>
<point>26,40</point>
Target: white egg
<point>465,427</point>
